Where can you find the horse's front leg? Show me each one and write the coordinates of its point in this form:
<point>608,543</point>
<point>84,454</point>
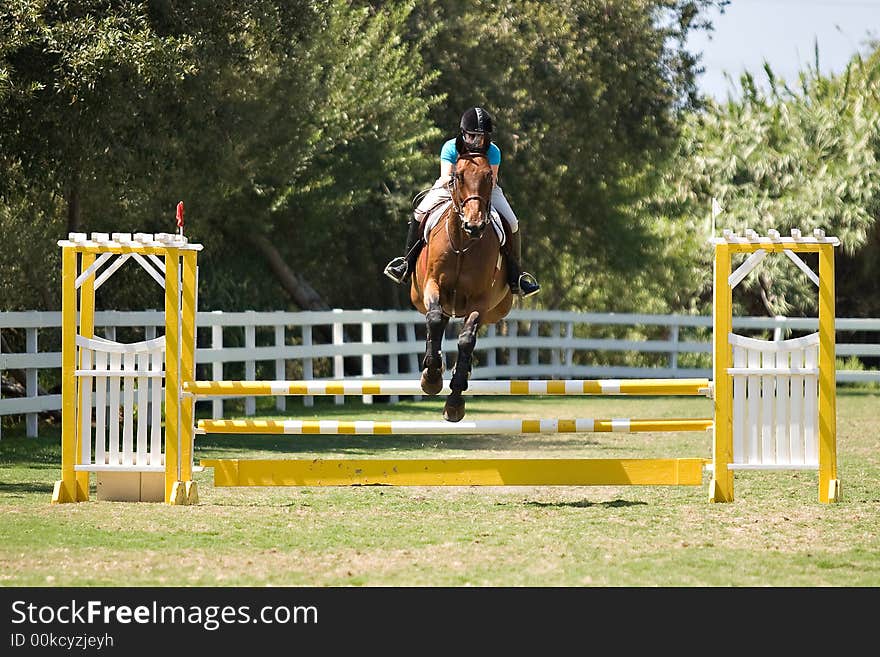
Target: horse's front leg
<point>432,365</point>
<point>467,340</point>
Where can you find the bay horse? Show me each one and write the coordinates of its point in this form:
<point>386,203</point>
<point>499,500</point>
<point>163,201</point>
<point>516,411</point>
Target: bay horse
<point>460,274</point>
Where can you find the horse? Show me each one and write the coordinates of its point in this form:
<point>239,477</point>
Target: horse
<point>460,274</point>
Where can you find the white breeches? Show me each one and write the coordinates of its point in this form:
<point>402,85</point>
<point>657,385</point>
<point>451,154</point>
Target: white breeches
<point>499,202</point>
<point>438,193</point>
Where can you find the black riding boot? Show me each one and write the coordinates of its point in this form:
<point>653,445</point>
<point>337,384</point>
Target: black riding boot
<point>402,267</point>
<point>520,282</point>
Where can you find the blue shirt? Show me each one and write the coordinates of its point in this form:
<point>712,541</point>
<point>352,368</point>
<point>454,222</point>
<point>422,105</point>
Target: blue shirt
<point>449,154</point>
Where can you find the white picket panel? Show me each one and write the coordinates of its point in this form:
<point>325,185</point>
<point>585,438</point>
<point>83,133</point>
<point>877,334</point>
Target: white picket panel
<point>775,403</point>
<point>121,391</point>
<point>782,409</point>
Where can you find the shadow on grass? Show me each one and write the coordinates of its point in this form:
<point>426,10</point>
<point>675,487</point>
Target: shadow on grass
<point>25,487</point>
<point>586,504</point>
<point>352,443</point>
<point>44,451</point>
<point>863,390</point>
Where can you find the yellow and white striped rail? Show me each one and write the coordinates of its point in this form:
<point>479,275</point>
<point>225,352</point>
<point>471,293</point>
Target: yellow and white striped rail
<point>691,387</point>
<point>457,472</point>
<point>374,427</point>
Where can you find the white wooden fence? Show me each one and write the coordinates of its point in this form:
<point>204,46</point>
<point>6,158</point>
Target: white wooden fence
<point>389,344</point>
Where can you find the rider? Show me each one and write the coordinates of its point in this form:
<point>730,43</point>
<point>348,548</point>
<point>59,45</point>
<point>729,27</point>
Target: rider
<point>474,137</point>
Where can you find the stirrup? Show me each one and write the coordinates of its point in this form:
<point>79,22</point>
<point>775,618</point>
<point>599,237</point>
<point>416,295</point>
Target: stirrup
<point>397,269</point>
<point>528,284</point>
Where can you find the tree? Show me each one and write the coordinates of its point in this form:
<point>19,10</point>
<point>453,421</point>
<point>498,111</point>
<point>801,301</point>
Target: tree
<point>283,125</point>
<point>78,81</point>
<point>786,158</point>
<point>324,148</point>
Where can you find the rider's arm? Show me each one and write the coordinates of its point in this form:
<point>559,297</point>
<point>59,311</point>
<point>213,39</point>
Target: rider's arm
<point>494,161</point>
<point>448,156</point>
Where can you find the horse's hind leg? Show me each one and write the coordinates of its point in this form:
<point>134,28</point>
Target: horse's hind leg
<point>432,365</point>
<point>467,340</point>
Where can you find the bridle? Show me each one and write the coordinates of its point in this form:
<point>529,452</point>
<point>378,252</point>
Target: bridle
<point>475,233</point>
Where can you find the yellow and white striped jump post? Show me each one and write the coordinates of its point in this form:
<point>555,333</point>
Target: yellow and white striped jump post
<point>464,427</point>
<point>99,374</point>
<point>775,402</point>
<point>640,387</point>
<point>456,472</point>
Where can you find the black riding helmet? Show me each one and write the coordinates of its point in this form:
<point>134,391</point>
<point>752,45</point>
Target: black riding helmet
<point>476,131</point>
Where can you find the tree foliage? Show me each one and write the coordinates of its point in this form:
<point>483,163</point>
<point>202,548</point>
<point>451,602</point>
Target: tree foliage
<point>803,157</point>
<point>297,133</point>
<point>290,129</point>
<point>81,85</point>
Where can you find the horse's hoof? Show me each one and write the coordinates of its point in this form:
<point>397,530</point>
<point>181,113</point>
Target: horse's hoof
<point>432,383</point>
<point>453,412</point>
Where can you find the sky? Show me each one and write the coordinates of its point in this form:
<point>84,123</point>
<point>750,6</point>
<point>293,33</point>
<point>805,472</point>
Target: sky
<point>784,33</point>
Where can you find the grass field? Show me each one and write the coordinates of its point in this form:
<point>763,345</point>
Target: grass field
<point>774,534</point>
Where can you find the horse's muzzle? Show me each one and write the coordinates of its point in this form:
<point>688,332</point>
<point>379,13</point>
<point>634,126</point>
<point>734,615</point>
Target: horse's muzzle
<point>475,230</point>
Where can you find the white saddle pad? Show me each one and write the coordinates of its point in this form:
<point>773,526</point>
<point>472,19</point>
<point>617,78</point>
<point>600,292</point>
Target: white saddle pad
<point>494,219</point>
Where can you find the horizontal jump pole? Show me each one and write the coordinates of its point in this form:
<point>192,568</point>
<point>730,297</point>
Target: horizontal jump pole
<point>692,387</point>
<point>375,427</point>
<point>457,472</point>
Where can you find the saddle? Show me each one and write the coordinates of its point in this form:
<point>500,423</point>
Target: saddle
<point>430,221</point>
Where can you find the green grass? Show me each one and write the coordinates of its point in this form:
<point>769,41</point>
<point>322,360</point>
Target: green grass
<point>775,533</point>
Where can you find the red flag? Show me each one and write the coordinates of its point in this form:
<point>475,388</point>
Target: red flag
<point>180,215</point>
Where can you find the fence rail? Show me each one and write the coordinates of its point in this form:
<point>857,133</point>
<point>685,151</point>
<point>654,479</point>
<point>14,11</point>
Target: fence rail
<point>388,344</point>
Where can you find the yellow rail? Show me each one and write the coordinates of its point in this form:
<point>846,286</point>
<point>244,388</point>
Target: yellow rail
<point>457,472</point>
